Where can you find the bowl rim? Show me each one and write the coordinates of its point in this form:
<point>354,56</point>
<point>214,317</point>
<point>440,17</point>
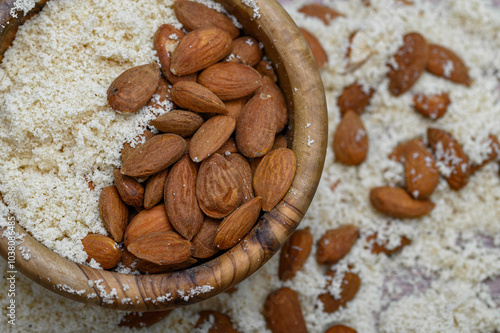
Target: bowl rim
<point>309,135</point>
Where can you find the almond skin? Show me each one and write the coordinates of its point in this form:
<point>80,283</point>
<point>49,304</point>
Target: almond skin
<point>432,106</point>
<point>147,222</point>
<point>350,286</point>
<point>256,127</point>
<point>382,248</point>
<point>161,248</point>
<point>133,88</point>
<point>220,323</point>
<point>350,142</point>
<point>195,97</point>
<point>246,51</point>
<point>421,172</point>
<point>218,187</point>
<point>280,142</point>
<point>180,198</point>
<point>237,224</point>
<point>180,122</point>
<point>203,242</point>
<point>340,329</point>
<point>448,150</point>
<point>153,192</point>
<point>199,49</point>
<point>396,202</point>
<point>113,211</point>
<point>335,244</point>
<point>324,13</point>
<point>163,91</point>
<point>283,312</point>
<point>495,149</point>
<point>440,59</point>
<point>266,69</point>
<point>194,15</point>
<point>245,171</point>
<point>278,102</point>
<point>235,106</point>
<point>411,59</point>
<point>102,249</point>
<point>399,152</point>
<point>230,80</point>
<point>142,319</point>
<point>354,98</point>
<point>131,191</point>
<point>273,176</point>
<point>157,154</point>
<point>317,49</point>
<point>128,149</point>
<point>148,267</point>
<point>210,137</point>
<point>295,253</point>
<point>228,147</point>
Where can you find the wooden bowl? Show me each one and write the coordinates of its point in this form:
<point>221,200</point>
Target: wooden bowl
<point>301,82</point>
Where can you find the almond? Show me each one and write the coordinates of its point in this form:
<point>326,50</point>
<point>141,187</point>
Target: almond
<point>256,126</point>
<point>133,88</point>
<point>340,329</point>
<point>153,193</point>
<point>237,224</point>
<point>273,176</point>
<point>421,172</point>
<point>377,248</point>
<point>203,242</point>
<point>350,141</point>
<point>359,50</point>
<point>130,190</point>
<point>335,244</point>
<point>235,106</point>
<point>411,60</point>
<point>102,249</point>
<point>218,187</point>
<point>161,248</point>
<point>157,154</point>
<point>283,312</point>
<point>219,322</point>
<point>396,202</point>
<point>266,69</point>
<point>245,171</point>
<point>295,253</point>
<point>449,152</point>
<point>324,13</point>
<point>195,97</point>
<point>199,49</point>
<point>278,101</point>
<point>228,147</point>
<point>432,106</point>
<point>151,268</point>
<point>147,222</point>
<point>447,64</point>
<point>194,15</point>
<point>317,49</point>
<point>254,164</point>
<point>128,149</point>
<point>180,198</point>
<point>246,51</point>
<point>142,319</point>
<point>161,97</point>
<point>350,286</point>
<point>354,98</point>
<point>495,150</point>
<point>279,142</point>
<point>230,80</point>
<point>210,137</point>
<point>113,211</point>
<point>399,152</point>
<point>129,260</point>
<point>180,122</point>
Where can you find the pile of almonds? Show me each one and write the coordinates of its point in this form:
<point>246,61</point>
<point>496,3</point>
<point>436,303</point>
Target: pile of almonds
<point>200,185</point>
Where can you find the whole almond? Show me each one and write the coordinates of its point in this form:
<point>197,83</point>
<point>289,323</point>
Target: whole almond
<point>266,69</point>
<point>218,187</point>
<point>354,98</point>
<point>411,60</point>
<point>147,222</point>
<point>153,192</point>
<point>432,106</point>
<point>448,151</point>
<point>130,190</point>
<point>237,224</point>
<point>219,322</point>
<point>210,137</point>
<point>142,319</point>
<point>317,49</point>
<point>340,329</point>
<point>180,198</point>
<point>350,286</point>
<point>350,141</point>
<point>421,172</point>
<point>245,50</point>
<point>273,176</point>
<point>256,127</point>
<point>180,122</point>
<point>283,312</point>
<point>151,268</point>
<point>203,242</point>
<point>377,248</point>
<point>396,202</point>
<point>157,154</point>
<point>324,13</point>
<point>102,249</point>
<point>245,171</point>
<point>229,80</point>
<point>235,106</point>
<point>335,244</point>
<point>199,49</point>
<point>194,15</point>
<point>295,253</point>
<point>447,64</point>
<point>278,101</point>
<point>132,89</point>
<point>161,248</point>
<point>195,97</point>
<point>161,98</point>
<point>113,211</point>
<point>127,147</point>
<point>495,150</point>
<point>228,147</point>
<point>399,152</point>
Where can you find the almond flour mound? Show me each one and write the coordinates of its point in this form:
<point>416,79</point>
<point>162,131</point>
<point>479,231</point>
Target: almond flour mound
<point>447,280</point>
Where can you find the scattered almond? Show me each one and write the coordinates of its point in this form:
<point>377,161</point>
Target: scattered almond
<point>147,222</point>
<point>153,192</point>
<point>432,106</point>
<point>210,137</point>
<point>396,202</point>
<point>350,286</point>
<point>421,172</point>
<point>220,323</point>
<point>495,150</point>
<point>142,319</point>
<point>350,141</point>
<point>354,98</point>
<point>324,13</point>
<point>131,191</point>
<point>317,50</point>
<point>283,312</point>
<point>102,249</point>
<point>399,152</point>
<point>180,122</point>
<point>195,97</point>
<point>335,244</point>
<point>113,211</point>
<point>295,253</point>
<point>377,248</point>
<point>447,64</point>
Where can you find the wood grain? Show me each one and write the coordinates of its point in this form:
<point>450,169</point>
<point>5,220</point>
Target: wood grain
<point>303,89</point>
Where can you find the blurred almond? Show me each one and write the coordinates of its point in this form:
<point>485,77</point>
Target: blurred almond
<point>317,50</point>
<point>219,322</point>
<point>421,172</point>
<point>210,137</point>
<point>324,13</point>
<point>350,141</point>
<point>399,152</point>
<point>278,101</point>
<point>494,151</point>
<point>130,190</point>
<point>142,319</point>
<point>245,50</point>
<point>396,202</point>
<point>354,98</point>
<point>266,69</point>
<point>147,222</point>
<point>445,63</point>
<point>102,249</point>
<point>113,211</point>
<point>153,192</point>
<point>350,286</point>
<point>180,122</point>
<point>340,329</point>
<point>359,50</point>
<point>335,244</point>
<point>432,106</point>
<point>283,312</point>
<point>295,253</point>
<point>195,97</point>
<point>241,164</point>
<point>203,242</point>
<point>377,248</point>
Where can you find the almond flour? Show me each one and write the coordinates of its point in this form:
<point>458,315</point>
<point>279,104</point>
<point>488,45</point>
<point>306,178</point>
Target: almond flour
<point>446,280</point>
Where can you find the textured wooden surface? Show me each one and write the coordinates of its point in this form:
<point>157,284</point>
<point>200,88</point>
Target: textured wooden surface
<point>302,84</point>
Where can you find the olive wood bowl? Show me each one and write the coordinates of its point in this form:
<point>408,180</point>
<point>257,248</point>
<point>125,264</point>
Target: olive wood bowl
<point>301,82</point>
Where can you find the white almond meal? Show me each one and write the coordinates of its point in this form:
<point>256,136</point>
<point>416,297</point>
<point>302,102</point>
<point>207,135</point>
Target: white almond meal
<point>57,134</point>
